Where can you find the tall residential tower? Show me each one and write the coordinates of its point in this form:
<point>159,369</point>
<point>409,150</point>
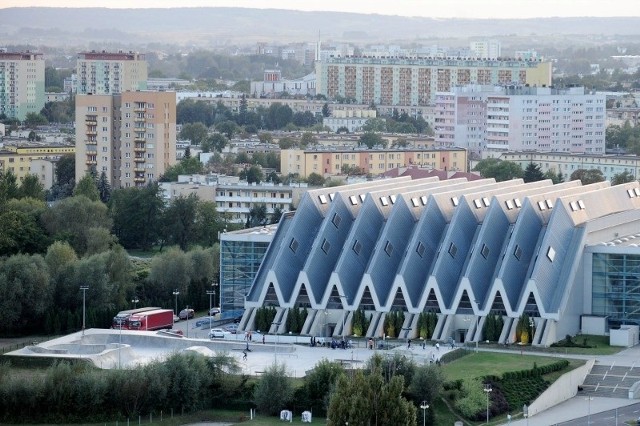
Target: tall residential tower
<point>104,73</point>
<point>21,84</point>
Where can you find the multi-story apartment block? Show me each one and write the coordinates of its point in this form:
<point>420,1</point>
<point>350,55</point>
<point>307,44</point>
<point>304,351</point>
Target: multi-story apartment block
<point>351,120</point>
<point>330,160</point>
<point>105,73</point>
<point>19,158</point>
<point>486,49</point>
<point>415,81</point>
<point>273,84</point>
<point>508,118</point>
<point>567,163</point>
<point>235,201</point>
<point>21,84</point>
<point>131,136</point>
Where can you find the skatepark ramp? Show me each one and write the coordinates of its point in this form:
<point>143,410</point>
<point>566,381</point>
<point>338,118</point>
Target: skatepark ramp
<point>610,381</point>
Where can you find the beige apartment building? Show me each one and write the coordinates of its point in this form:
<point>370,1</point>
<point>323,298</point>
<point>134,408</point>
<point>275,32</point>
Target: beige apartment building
<point>131,136</point>
<point>21,83</point>
<point>104,73</point>
<point>329,161</point>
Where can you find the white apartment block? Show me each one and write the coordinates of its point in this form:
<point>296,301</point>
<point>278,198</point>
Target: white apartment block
<point>105,73</point>
<point>486,49</point>
<point>521,118</point>
<point>352,120</point>
<point>21,84</point>
<point>131,136</point>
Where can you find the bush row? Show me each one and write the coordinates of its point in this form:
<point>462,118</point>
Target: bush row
<point>535,371</point>
<point>453,355</point>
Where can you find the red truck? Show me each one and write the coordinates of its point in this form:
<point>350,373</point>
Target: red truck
<point>151,320</point>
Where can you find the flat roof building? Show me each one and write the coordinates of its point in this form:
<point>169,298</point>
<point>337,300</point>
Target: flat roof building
<point>104,73</point>
<point>21,84</point>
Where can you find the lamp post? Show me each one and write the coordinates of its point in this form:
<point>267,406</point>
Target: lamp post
<point>84,289</point>
<point>211,292</point>
<point>135,301</point>
<point>275,347</point>
<point>119,345</point>
<point>487,389</point>
<point>525,413</point>
<point>589,399</point>
<point>176,293</point>
<point>424,407</point>
<point>478,334</point>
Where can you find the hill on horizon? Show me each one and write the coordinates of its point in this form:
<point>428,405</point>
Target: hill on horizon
<point>229,25</point>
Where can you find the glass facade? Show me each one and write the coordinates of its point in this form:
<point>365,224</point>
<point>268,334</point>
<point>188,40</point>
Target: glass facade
<point>239,263</point>
<point>616,287</point>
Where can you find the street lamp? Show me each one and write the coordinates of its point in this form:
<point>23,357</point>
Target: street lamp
<point>84,289</point>
<point>176,293</point>
<point>424,407</point>
<point>525,413</point>
<point>589,399</point>
<point>487,389</point>
<point>275,347</point>
<point>135,301</point>
<point>211,292</point>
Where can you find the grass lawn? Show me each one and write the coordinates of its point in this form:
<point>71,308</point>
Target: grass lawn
<point>480,364</point>
<point>600,346</point>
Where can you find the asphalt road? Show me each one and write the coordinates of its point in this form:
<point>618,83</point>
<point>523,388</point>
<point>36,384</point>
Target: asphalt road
<point>620,416</point>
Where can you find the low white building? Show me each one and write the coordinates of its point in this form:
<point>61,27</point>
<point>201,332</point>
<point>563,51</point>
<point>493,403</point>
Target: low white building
<point>352,120</point>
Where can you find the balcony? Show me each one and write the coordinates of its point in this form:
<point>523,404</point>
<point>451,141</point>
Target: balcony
<point>90,142</point>
<point>139,109</point>
<point>91,122</point>
<point>91,132</point>
<point>140,149</point>
<point>139,179</point>
<point>139,159</point>
<point>138,119</point>
<point>138,169</point>
<point>91,162</point>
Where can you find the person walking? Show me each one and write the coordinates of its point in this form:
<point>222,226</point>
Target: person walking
<point>244,355</point>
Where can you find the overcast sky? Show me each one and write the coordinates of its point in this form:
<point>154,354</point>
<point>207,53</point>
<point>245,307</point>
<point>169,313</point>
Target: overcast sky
<point>427,8</point>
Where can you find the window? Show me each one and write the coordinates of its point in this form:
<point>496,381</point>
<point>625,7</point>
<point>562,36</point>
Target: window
<point>509,204</point>
<point>455,201</point>
<point>415,202</point>
<point>485,251</point>
<point>362,197</point>
<point>293,245</point>
<point>551,254</point>
<point>452,250</point>
<point>384,201</point>
<point>331,196</point>
<point>485,200</point>
<point>326,245</point>
<point>336,220</point>
<point>517,202</point>
<point>477,203</point>
<point>581,204</point>
<point>354,200</point>
<point>393,199</point>
<point>574,206</point>
<point>420,249</point>
<point>424,200</point>
<point>323,199</point>
<point>549,204</point>
<point>357,246</point>
<point>542,205</point>
<point>517,253</point>
<point>388,248</point>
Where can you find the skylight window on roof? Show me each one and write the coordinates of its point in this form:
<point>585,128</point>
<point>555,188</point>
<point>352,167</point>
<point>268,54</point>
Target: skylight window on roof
<point>384,201</point>
<point>477,203</point>
<point>323,199</point>
<point>415,202</point>
<point>326,245</point>
<point>517,202</point>
<point>637,191</point>
<point>388,248</point>
<point>424,200</point>
<point>542,205</point>
<point>485,200</point>
<point>336,220</point>
<point>551,254</point>
<point>332,196</point>
<point>357,246</point>
<point>392,198</point>
<point>485,251</point>
<point>452,250</point>
<point>455,201</point>
<point>549,203</point>
<point>631,193</point>
<point>517,253</point>
<point>354,200</point>
<point>293,245</point>
<point>574,206</point>
<point>581,205</point>
<point>420,249</point>
<point>362,197</point>
<point>509,204</point>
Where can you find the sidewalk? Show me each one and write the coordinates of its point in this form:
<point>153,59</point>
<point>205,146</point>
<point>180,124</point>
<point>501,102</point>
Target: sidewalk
<point>573,408</point>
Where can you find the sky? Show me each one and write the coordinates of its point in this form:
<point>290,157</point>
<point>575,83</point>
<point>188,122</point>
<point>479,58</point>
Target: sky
<point>478,9</point>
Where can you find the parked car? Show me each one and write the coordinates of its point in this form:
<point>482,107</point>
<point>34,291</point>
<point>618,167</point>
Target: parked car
<point>217,333</point>
<point>214,311</point>
<point>186,313</point>
<point>205,321</point>
<point>231,328</point>
<point>176,318</point>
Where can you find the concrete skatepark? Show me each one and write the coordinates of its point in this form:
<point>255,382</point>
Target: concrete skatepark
<point>108,348</point>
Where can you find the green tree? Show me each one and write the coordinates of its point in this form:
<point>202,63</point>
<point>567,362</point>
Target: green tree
<point>257,215</point>
<point>307,139</point>
<point>367,399</point>
<point>215,142</point>
<point>426,385</point>
<point>87,187</point>
<point>318,384</point>
<point>136,214</point>
<point>325,110</point>
<point>86,214</point>
<point>374,125</point>
<point>228,128</point>
<point>20,232</point>
<point>370,139</point>
<point>551,175</point>
<point>472,400</point>
<point>194,132</point>
<point>192,111</point>
<point>314,179</point>
<point>104,188</point>
<point>278,116</point>
<point>207,223</point>
<point>186,166</point>
<point>180,221</point>
<point>533,173</point>
<point>31,188</point>
<point>8,186</point>
<point>169,271</point>
<point>33,119</point>
<point>252,174</point>
<point>498,169</point>
<point>587,176</point>
<point>286,143</point>
<point>274,391</point>
<point>620,178</point>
